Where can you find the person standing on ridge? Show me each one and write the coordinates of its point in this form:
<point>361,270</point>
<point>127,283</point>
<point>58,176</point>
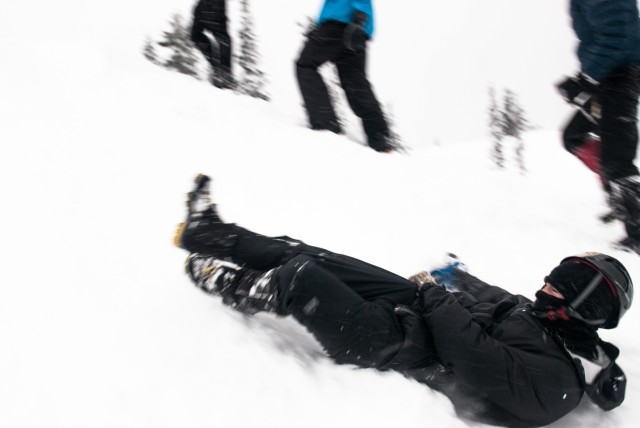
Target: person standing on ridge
<point>343,29</point>
<point>211,16</point>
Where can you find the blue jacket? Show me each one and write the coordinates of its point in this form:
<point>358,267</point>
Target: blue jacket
<point>609,34</point>
<point>343,11</point>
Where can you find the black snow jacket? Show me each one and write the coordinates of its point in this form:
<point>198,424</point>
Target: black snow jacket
<point>498,363</point>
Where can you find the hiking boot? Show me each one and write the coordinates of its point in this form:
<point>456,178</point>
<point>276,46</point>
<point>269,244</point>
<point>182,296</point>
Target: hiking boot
<point>246,290</point>
<point>203,231</point>
<point>209,274</point>
<point>332,126</point>
<point>380,143</point>
<point>625,196</point>
<point>223,80</point>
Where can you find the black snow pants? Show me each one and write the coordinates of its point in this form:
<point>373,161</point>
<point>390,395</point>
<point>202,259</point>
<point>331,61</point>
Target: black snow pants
<point>211,15</point>
<point>326,44</point>
<point>615,109</point>
<point>350,306</point>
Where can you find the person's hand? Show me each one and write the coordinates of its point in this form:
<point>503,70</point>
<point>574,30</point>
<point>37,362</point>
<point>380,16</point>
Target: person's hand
<point>578,90</point>
<point>355,38</point>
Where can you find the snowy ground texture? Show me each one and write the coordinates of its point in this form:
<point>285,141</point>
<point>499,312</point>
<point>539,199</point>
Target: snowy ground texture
<point>100,327</point>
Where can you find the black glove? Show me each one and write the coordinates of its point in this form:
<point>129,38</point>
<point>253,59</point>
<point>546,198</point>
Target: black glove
<point>355,37</point>
<point>608,388</point>
<point>578,90</point>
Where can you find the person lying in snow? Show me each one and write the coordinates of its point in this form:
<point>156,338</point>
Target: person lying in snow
<point>500,358</point>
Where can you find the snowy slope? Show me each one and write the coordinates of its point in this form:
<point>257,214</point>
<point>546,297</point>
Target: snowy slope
<point>98,324</point>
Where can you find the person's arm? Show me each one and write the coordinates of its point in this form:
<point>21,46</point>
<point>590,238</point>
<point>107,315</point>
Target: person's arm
<point>482,291</point>
<point>519,379</point>
<point>616,27</point>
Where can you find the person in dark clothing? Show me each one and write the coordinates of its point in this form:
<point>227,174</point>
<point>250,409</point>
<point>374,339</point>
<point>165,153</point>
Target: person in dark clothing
<point>211,16</point>
<point>603,133</point>
<point>344,27</point>
<point>500,358</point>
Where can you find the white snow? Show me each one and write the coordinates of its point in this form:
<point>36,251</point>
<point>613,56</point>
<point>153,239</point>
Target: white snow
<point>100,327</point>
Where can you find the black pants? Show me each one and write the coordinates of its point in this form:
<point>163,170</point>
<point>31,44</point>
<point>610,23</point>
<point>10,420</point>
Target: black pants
<point>615,107</point>
<point>326,44</point>
<point>211,15</point>
<point>347,304</point>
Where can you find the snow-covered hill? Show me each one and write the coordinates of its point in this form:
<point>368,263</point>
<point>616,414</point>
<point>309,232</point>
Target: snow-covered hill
<point>98,324</point>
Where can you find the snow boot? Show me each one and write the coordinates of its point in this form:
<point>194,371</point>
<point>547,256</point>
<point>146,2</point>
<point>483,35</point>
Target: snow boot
<point>203,231</point>
<point>626,198</point>
<point>223,79</point>
<point>380,142</point>
<point>246,290</point>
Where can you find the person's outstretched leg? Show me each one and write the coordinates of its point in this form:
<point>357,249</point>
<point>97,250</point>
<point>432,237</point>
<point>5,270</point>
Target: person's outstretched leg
<point>351,329</point>
<point>204,233</point>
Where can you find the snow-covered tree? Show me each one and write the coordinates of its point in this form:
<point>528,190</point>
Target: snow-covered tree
<point>149,51</point>
<point>514,125</point>
<point>496,130</point>
<point>507,121</point>
<point>181,57</point>
<point>252,80</point>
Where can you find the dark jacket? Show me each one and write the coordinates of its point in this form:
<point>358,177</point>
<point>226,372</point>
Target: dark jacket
<point>609,34</point>
<point>498,363</point>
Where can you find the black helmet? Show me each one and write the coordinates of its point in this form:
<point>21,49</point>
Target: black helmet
<point>617,279</point>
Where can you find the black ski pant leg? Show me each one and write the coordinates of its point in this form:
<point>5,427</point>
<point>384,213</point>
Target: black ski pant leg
<point>351,329</point>
<point>323,44</point>
<point>368,281</point>
<point>576,132</point>
<point>221,34</point>
<point>618,98</point>
<point>201,41</point>
<point>362,100</point>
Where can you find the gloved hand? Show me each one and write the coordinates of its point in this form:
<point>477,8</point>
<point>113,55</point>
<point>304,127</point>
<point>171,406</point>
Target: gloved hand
<point>578,90</point>
<point>354,36</point>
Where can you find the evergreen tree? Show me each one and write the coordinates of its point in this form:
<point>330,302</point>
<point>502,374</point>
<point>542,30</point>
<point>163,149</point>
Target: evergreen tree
<point>514,124</point>
<point>496,130</point>
<point>182,57</point>
<point>252,81</point>
<point>149,51</point>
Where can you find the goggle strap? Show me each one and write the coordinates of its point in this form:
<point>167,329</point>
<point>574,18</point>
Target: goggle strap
<point>586,292</point>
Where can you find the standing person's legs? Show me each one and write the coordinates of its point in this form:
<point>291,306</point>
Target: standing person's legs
<point>219,30</point>
<point>619,129</point>
<point>353,78</point>
<point>322,45</point>
<point>618,97</point>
